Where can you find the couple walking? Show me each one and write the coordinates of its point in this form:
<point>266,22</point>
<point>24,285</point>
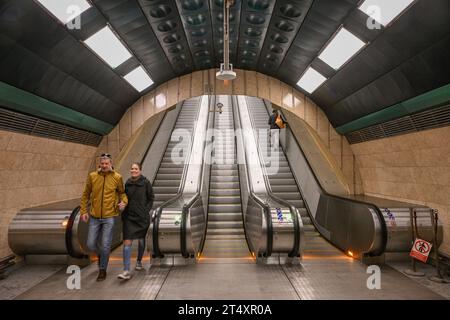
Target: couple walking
<point>108,198</point>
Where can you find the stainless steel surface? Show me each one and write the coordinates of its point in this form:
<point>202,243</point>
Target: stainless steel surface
<point>179,224</point>
<point>273,226</point>
<point>225,236</point>
<point>361,225</point>
<point>168,181</point>
<point>282,181</point>
<point>286,221</point>
<point>43,230</point>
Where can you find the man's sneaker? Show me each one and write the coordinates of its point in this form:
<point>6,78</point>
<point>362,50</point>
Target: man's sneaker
<point>124,275</point>
<point>139,266</point>
<point>101,275</point>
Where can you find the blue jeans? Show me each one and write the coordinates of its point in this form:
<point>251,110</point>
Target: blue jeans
<point>99,238</point>
<point>127,253</point>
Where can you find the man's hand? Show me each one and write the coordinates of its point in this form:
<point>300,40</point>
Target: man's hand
<point>85,217</point>
<point>122,206</point>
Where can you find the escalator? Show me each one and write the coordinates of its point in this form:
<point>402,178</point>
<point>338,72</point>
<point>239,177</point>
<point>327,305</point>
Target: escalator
<point>225,236</point>
<point>168,177</point>
<point>282,181</point>
<point>363,227</point>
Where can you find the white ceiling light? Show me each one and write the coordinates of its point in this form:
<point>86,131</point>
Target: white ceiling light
<point>65,10</point>
<point>343,46</point>
<point>106,44</point>
<point>384,11</point>
<point>139,79</point>
<point>311,80</point>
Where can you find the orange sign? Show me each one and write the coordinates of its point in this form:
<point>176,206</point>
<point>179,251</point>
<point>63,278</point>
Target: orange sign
<point>420,250</point>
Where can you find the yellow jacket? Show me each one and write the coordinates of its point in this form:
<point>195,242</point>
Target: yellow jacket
<point>103,189</point>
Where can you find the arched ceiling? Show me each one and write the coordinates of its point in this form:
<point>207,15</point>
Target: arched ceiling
<point>170,38</point>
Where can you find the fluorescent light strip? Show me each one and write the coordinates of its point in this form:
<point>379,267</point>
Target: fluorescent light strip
<point>108,46</point>
<point>139,79</point>
<point>65,10</point>
<point>341,49</point>
<point>311,80</point>
<point>384,11</point>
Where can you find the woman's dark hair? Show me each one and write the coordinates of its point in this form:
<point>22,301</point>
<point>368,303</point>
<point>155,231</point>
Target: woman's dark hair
<point>138,164</point>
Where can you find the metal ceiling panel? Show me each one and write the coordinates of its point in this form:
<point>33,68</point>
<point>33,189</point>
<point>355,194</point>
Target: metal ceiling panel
<point>170,38</point>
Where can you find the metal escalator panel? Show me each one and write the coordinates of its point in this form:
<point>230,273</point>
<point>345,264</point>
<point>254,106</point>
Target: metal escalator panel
<point>225,236</point>
<point>168,177</point>
<point>282,181</point>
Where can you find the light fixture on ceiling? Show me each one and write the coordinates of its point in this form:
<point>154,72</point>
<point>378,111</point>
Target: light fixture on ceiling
<point>226,68</point>
<point>139,79</point>
<point>64,10</point>
<point>311,80</point>
<point>341,49</point>
<point>108,47</point>
<point>384,11</point>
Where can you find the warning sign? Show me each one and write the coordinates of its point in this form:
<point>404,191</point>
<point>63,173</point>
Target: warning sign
<point>420,250</point>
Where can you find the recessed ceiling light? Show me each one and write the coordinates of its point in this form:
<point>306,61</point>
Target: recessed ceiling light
<point>311,80</point>
<point>64,10</point>
<point>108,46</point>
<point>384,11</point>
<point>139,79</point>
<point>343,46</point>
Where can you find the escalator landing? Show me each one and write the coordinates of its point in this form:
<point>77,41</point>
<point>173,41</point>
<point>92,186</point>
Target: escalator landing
<point>318,278</point>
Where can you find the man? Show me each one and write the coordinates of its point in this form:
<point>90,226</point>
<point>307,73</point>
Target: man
<point>104,188</point>
<point>219,107</point>
<point>272,120</point>
<point>276,122</point>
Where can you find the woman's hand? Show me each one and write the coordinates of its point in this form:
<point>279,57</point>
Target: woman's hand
<point>122,206</point>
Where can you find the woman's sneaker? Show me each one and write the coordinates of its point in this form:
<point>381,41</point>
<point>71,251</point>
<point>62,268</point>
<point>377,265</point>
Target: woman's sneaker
<point>124,275</point>
<point>139,266</point>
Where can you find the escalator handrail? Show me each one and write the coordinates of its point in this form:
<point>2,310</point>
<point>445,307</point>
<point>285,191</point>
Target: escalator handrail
<point>325,193</point>
<point>265,206</point>
<point>69,234</point>
<point>153,139</point>
<point>158,210</point>
<point>187,206</point>
<point>294,211</point>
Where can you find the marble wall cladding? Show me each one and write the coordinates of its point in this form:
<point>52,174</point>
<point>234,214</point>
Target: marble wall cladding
<point>414,167</point>
<point>35,171</point>
<point>249,83</point>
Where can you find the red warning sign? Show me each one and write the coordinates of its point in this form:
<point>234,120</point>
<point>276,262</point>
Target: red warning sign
<point>420,250</point>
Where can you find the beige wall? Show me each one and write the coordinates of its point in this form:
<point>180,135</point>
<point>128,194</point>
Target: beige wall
<point>413,167</point>
<point>249,83</point>
<point>36,171</point>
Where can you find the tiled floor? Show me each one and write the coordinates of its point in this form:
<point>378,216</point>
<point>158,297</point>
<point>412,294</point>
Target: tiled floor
<point>315,278</point>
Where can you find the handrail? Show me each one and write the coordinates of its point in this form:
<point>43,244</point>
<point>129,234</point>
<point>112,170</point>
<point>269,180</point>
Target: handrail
<point>154,137</point>
<point>324,192</point>
<point>209,175</point>
<point>68,235</point>
<point>194,198</point>
<point>294,210</point>
<point>158,210</point>
<point>256,198</point>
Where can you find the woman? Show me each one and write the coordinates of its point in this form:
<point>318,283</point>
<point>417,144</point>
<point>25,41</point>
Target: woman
<point>136,217</point>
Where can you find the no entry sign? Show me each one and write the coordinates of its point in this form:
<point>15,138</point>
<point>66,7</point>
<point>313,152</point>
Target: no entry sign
<point>420,250</point>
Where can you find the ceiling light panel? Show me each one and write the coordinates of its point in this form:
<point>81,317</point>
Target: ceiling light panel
<point>341,48</point>
<point>139,79</point>
<point>65,10</point>
<point>384,11</point>
<point>108,47</point>
<point>311,80</point>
